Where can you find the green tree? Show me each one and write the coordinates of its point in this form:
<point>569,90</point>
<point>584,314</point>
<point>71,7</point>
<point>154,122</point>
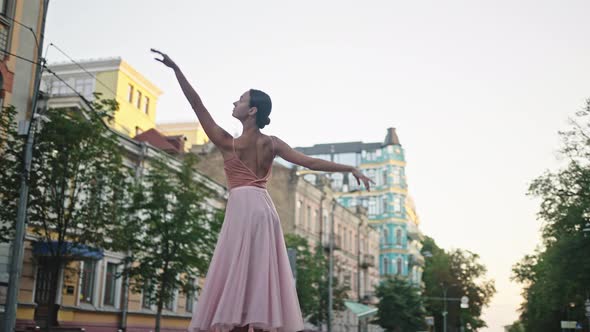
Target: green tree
<point>400,306</point>
<point>75,183</point>
<point>461,274</point>
<point>516,327</point>
<point>312,281</point>
<point>11,151</point>
<point>177,232</point>
<point>556,276</point>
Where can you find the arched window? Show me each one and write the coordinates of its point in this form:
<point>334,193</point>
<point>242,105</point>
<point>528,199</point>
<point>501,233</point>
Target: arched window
<point>385,238</point>
<point>398,237</point>
<point>399,265</point>
<point>385,265</point>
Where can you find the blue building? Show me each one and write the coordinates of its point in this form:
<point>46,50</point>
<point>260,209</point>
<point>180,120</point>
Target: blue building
<point>391,210</point>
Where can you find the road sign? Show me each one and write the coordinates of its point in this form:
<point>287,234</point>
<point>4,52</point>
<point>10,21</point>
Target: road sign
<point>429,320</point>
<point>464,302</point>
<point>565,324</point>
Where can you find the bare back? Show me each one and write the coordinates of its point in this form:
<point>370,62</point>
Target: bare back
<point>256,153</point>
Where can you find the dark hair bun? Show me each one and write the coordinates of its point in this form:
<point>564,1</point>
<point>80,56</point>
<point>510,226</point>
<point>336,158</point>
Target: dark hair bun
<point>262,102</point>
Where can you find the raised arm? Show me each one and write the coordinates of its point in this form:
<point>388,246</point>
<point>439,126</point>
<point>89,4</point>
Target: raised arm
<point>284,151</point>
<point>216,134</point>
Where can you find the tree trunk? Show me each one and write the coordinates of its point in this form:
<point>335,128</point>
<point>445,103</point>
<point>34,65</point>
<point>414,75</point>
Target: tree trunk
<point>159,315</point>
<point>53,308</point>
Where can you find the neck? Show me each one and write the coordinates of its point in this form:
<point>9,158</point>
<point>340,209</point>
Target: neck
<point>250,128</point>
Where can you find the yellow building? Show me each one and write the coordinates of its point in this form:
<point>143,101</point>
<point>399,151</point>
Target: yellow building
<point>17,78</point>
<point>114,79</point>
<point>192,131</point>
<point>92,295</point>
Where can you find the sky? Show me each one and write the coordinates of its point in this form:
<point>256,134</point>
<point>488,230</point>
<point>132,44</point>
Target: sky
<point>477,91</point>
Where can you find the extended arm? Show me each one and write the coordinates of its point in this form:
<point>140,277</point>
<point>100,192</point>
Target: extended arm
<point>289,154</point>
<point>216,134</point>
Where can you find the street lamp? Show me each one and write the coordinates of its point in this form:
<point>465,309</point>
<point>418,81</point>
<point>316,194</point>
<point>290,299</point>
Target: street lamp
<point>586,229</point>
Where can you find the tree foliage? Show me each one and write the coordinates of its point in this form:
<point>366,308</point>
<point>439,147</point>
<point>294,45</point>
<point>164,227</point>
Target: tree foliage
<point>400,306</point>
<point>176,232</point>
<point>312,281</point>
<point>461,274</point>
<point>556,276</point>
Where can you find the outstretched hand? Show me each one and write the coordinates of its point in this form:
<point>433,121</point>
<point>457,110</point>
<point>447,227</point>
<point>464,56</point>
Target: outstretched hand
<point>165,59</point>
<point>361,177</point>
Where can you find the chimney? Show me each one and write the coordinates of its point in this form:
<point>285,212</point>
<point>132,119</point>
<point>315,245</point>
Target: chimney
<point>391,138</point>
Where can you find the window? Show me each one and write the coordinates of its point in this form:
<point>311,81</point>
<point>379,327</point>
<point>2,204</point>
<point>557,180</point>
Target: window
<point>110,284</point>
<point>372,206</point>
<point>398,237</point>
<point>3,7</point>
<point>146,105</point>
<point>138,131</point>
<point>345,240</point>
<point>130,93</point>
<point>396,175</point>
<point>316,221</point>
<point>87,281</point>
<point>351,239</point>
<point>385,265</point>
<point>346,278</point>
<point>385,238</point>
<point>326,229</point>
<point>399,266</point>
<point>138,101</point>
<point>371,175</point>
<point>299,206</point>
<point>397,205</point>
<point>385,202</point>
<point>337,181</point>
<point>146,302</point>
<point>308,221</point>
<point>190,296</point>
<point>384,179</point>
<point>169,305</point>
<point>352,184</point>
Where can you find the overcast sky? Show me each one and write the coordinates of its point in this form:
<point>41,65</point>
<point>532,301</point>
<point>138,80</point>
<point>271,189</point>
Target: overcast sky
<point>476,89</point>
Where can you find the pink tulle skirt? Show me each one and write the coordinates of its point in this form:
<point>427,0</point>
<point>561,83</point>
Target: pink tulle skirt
<point>249,282</point>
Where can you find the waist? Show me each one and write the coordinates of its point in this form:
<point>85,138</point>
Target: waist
<point>248,188</point>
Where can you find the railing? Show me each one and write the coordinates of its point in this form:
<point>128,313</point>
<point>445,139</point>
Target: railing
<point>413,231</point>
<point>367,261</point>
<point>337,243</point>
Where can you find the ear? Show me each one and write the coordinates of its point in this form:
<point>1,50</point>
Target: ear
<point>253,110</point>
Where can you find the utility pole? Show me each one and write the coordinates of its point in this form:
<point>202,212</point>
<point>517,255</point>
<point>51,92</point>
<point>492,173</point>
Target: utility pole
<point>331,267</point>
<point>444,313</point>
<point>16,263</point>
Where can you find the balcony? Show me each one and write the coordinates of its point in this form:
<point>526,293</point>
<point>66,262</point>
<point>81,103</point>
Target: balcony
<point>367,261</point>
<point>414,232</point>
<point>416,260</point>
<point>337,243</point>
<point>369,298</point>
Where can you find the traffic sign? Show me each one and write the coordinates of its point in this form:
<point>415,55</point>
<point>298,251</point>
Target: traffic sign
<point>565,324</point>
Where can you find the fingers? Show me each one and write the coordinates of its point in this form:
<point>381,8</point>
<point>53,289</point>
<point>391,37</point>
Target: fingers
<point>156,51</point>
<point>159,60</point>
